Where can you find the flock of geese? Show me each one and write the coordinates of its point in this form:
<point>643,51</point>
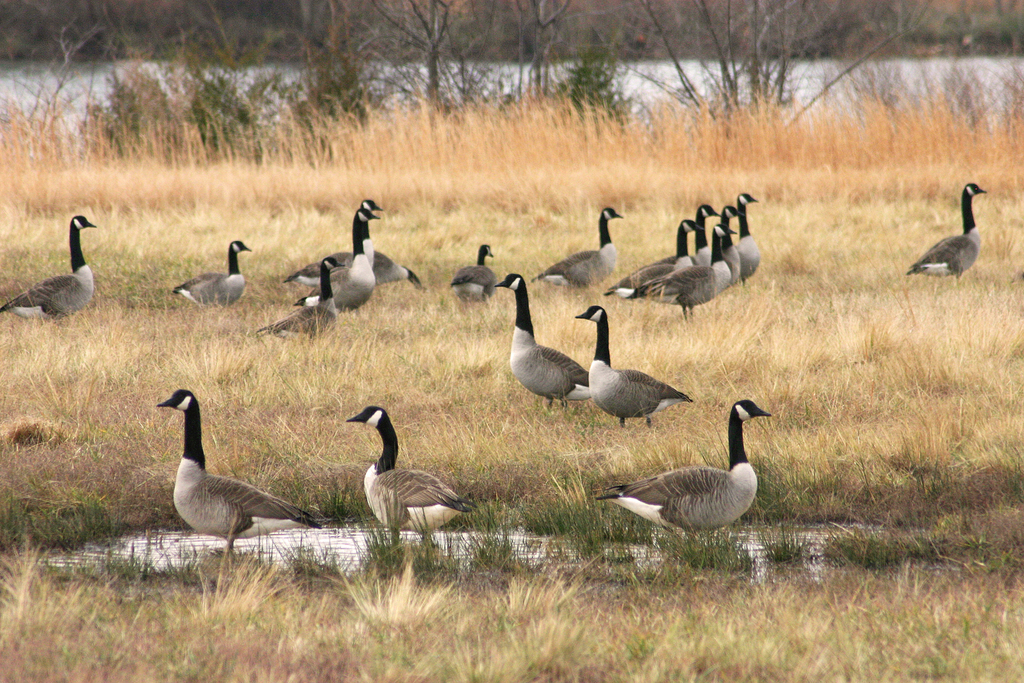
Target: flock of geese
<point>692,497</point>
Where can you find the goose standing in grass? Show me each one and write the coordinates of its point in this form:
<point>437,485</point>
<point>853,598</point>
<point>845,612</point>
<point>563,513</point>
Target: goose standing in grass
<point>730,254</point>
<point>750,255</point>
<point>59,295</point>
<point>352,285</point>
<point>701,248</point>
<point>542,370</point>
<point>585,268</point>
<point>627,285</point>
<point>217,288</point>
<point>954,255</point>
<point>309,275</point>
<point>220,506</point>
<point>624,393</point>
<point>697,497</point>
<point>475,283</point>
<point>311,320</point>
<point>692,286</point>
<point>405,499</point>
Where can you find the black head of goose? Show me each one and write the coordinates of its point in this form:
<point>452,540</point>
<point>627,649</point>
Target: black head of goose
<point>60,295</point>
<point>314,319</point>
<point>585,268</point>
<point>954,255</point>
<point>405,499</point>
<point>217,288</point>
<point>730,254</point>
<point>624,393</point>
<point>475,283</point>
<point>697,497</point>
<point>750,255</point>
<point>701,248</point>
<point>221,506</point>
<point>626,287</point>
<point>542,370</point>
<point>309,274</point>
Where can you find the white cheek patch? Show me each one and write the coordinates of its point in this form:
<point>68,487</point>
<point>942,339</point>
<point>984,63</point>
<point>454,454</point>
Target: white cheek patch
<point>375,418</point>
<point>515,283</point>
<point>185,403</point>
<point>744,415</point>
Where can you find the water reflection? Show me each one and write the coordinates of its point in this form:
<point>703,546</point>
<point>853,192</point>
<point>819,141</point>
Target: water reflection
<point>349,548</point>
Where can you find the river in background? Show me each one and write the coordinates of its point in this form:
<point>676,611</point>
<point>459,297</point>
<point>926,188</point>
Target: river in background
<point>32,87</point>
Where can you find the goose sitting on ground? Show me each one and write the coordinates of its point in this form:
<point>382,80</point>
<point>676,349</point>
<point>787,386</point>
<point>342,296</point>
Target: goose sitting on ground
<point>702,249</point>
<point>217,288</point>
<point>585,268</point>
<point>220,506</point>
<point>59,295</point>
<point>627,285</point>
<point>697,497</point>
<point>311,320</point>
<point>542,370</point>
<point>352,285</point>
<point>750,255</point>
<point>475,283</point>
<point>624,393</point>
<point>954,255</point>
<point>692,286</point>
<point>405,499</point>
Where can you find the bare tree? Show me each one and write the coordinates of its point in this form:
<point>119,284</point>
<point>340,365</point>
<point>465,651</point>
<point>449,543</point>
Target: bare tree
<point>422,25</point>
<point>543,18</point>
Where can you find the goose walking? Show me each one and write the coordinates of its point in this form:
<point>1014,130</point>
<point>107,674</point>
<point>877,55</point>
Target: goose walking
<point>624,393</point>
<point>585,268</point>
<point>701,249</point>
<point>542,370</point>
<point>750,255</point>
<point>221,506</point>
<point>311,320</point>
<point>954,255</point>
<point>352,285</point>
<point>697,497</point>
<point>475,283</point>
<point>626,287</point>
<point>405,499</point>
<point>691,287</point>
<point>217,288</point>
<point>59,295</point>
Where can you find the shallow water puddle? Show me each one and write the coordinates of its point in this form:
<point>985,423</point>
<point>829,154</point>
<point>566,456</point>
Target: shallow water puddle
<point>349,548</point>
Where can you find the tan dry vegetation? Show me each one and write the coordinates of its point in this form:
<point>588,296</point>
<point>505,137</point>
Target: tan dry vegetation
<point>261,624</point>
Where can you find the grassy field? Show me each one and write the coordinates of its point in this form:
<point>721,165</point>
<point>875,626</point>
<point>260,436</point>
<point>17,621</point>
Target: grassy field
<point>894,398</point>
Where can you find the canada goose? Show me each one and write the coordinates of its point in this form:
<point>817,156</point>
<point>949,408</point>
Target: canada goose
<point>730,254</point>
<point>475,283</point>
<point>352,285</point>
<point>694,286</point>
<point>624,393</point>
<point>954,255</point>
<point>697,497</point>
<point>217,288</point>
<point>405,499</point>
<point>59,295</point>
<point>750,255</point>
<point>309,275</point>
<point>220,506</point>
<point>311,320</point>
<point>585,268</point>
<point>627,285</point>
<point>702,250</point>
<point>542,370</point>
